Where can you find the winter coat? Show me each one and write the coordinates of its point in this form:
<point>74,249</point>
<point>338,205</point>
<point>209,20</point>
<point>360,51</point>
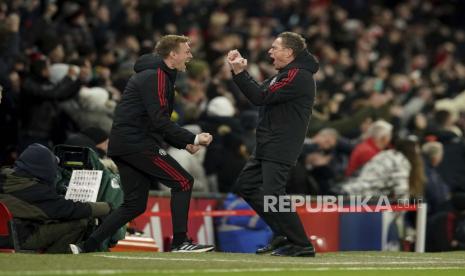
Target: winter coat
<point>386,174</point>
<point>286,102</point>
<point>142,118</point>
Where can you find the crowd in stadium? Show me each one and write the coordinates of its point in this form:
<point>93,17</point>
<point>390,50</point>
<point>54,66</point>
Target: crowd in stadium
<point>389,114</point>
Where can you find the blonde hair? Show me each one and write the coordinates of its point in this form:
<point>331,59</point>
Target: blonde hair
<point>417,177</point>
<point>169,43</point>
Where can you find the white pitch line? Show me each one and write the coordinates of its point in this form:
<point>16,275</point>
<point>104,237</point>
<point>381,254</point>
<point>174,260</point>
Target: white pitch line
<point>233,270</point>
<point>454,262</point>
<point>402,257</point>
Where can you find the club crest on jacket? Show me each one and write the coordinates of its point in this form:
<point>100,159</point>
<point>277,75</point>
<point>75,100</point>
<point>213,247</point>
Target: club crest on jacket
<point>162,152</point>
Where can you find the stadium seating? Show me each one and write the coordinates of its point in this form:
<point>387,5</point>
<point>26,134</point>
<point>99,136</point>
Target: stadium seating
<point>7,231</point>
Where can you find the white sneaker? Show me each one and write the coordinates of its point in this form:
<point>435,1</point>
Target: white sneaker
<point>75,249</point>
<point>189,246</point>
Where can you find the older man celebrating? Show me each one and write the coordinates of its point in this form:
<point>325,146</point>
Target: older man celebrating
<point>285,102</point>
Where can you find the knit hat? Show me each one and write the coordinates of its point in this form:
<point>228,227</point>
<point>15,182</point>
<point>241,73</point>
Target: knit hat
<point>93,98</point>
<point>58,71</point>
<point>220,106</point>
<point>39,162</point>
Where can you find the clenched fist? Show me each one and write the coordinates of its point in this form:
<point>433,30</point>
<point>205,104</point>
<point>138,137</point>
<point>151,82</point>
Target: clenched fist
<point>236,61</point>
<point>204,139</point>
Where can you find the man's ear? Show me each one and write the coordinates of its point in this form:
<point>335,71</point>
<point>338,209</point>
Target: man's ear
<point>289,52</point>
<point>172,54</point>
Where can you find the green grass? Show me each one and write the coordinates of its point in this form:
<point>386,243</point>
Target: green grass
<point>345,263</point>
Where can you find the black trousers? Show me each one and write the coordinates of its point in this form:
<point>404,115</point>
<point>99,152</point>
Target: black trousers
<point>259,178</point>
<point>138,171</point>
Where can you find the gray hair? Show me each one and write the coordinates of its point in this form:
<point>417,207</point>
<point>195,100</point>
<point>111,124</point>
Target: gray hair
<point>329,132</point>
<point>432,149</point>
<point>293,41</point>
<point>380,129</point>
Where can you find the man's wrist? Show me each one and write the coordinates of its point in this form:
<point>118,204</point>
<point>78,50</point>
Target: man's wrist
<point>237,72</point>
<point>196,140</point>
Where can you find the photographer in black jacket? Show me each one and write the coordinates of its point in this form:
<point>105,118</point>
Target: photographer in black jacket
<point>44,220</point>
<point>285,102</point>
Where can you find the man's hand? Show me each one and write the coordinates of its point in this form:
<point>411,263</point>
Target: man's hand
<point>192,149</point>
<point>233,54</point>
<point>204,139</point>
<point>236,61</point>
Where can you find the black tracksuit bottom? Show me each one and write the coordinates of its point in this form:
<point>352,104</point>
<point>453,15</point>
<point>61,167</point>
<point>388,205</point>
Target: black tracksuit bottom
<point>138,171</point>
<point>261,177</point>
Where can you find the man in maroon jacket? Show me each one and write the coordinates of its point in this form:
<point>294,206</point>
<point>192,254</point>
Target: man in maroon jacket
<point>141,124</point>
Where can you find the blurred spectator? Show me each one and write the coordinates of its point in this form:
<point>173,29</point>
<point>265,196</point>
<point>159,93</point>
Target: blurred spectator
<point>92,107</point>
<point>39,97</point>
<point>92,137</point>
<point>325,139</point>
<point>96,139</point>
<point>314,172</point>
<point>397,173</point>
<point>8,127</point>
<point>219,120</point>
<point>379,137</point>
<point>234,157</point>
<point>437,193</point>
<point>74,27</point>
<point>249,121</point>
<point>449,135</point>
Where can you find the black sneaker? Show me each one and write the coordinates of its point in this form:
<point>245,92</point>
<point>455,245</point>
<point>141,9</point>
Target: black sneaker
<point>76,248</point>
<point>276,242</point>
<point>189,246</point>
<point>293,250</point>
